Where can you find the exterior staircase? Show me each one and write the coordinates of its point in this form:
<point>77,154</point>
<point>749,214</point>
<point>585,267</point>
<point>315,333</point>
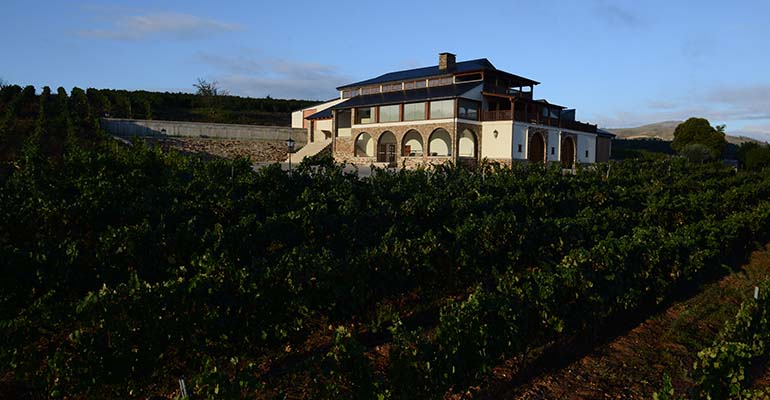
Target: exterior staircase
<point>309,150</point>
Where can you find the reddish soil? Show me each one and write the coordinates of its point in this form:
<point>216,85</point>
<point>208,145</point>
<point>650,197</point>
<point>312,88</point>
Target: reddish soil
<point>632,365</point>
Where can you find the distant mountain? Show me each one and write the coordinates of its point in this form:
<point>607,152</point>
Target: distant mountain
<point>665,131</point>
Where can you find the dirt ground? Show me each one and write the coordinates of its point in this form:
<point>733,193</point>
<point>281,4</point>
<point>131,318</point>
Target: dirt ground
<point>256,150</point>
<point>632,365</point>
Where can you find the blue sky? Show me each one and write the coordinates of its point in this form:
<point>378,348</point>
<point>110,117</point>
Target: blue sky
<point>620,63</point>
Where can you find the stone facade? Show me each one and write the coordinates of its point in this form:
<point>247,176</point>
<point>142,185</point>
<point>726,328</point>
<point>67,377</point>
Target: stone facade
<point>344,147</point>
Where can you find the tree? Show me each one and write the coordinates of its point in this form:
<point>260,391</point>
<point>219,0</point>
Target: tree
<point>206,88</point>
<point>699,131</point>
<point>753,155</point>
<point>3,83</point>
<point>697,152</point>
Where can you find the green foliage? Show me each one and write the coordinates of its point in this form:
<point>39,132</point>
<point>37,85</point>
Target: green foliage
<point>348,372</point>
<point>699,131</point>
<point>754,156</point>
<point>721,368</point>
<point>697,152</point>
<point>126,268</point>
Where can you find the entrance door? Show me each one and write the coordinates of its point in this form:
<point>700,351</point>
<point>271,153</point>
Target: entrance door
<point>387,153</point>
<point>386,148</point>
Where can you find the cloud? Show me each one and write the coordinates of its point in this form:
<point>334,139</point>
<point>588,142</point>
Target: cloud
<point>615,14</point>
<point>761,132</point>
<point>250,75</point>
<point>731,103</point>
<point>175,25</point>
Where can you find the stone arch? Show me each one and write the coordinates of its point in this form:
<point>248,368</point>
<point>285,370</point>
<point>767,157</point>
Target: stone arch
<point>364,145</point>
<point>536,147</point>
<point>440,143</point>
<point>412,145</point>
<point>467,144</point>
<point>568,152</point>
<point>386,147</point>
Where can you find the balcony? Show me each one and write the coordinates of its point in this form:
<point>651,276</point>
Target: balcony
<point>515,92</point>
<point>536,118</point>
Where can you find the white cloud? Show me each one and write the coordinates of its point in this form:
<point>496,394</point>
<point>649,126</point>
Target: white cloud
<point>722,104</point>
<point>281,78</point>
<point>175,25</point>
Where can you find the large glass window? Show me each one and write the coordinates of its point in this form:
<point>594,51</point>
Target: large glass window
<point>350,93</point>
<point>414,111</point>
<point>365,115</point>
<point>370,90</point>
<point>442,109</point>
<point>390,113</point>
<point>447,80</point>
<point>468,109</point>
<point>414,84</point>
<point>392,87</point>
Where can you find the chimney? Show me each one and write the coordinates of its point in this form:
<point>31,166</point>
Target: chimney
<point>446,61</point>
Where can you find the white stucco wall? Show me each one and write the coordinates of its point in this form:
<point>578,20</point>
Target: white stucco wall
<point>320,126</point>
<point>554,145</point>
<point>586,143</point>
<point>519,138</point>
<point>296,119</point>
<point>496,147</point>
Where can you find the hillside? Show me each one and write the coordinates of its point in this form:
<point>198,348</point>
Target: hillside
<point>664,131</point>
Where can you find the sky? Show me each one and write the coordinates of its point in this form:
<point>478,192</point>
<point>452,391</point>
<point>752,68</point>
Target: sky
<point>620,63</point>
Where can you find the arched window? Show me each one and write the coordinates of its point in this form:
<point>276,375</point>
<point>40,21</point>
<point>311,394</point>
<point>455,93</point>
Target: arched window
<point>466,144</point>
<point>412,146</point>
<point>440,143</point>
<point>364,145</point>
<point>386,147</point>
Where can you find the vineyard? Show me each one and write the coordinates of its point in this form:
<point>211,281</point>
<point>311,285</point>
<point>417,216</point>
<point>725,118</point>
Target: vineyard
<point>127,268</point>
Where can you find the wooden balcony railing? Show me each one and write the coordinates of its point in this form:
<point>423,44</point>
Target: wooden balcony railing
<point>502,115</point>
<point>534,118</point>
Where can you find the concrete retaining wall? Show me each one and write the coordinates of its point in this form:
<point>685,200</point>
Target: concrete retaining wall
<point>139,127</point>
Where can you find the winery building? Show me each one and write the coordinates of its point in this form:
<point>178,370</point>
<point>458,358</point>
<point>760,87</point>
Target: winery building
<point>459,111</point>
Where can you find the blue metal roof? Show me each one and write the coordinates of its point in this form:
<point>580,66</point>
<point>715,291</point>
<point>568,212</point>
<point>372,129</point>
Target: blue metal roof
<point>482,64</point>
<point>324,114</point>
<point>407,96</point>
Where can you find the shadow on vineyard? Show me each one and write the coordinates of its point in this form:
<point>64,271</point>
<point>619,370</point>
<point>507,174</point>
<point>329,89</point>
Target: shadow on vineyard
<point>127,268</point>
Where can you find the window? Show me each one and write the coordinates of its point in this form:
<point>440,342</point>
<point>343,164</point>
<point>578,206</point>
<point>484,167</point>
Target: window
<point>440,143</point>
<point>447,80</point>
<point>553,150</point>
<point>349,93</point>
<point>364,146</point>
<point>390,113</point>
<point>468,77</point>
<point>519,148</point>
<point>586,153</point>
<point>392,87</point>
<point>365,115</point>
<point>414,84</point>
<point>468,109</point>
<point>370,90</point>
<point>442,109</point>
<point>414,111</point>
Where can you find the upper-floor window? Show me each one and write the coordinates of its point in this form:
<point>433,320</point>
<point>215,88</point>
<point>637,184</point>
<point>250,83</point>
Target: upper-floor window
<point>442,109</point>
<point>370,90</point>
<point>390,113</point>
<point>414,111</point>
<point>446,80</point>
<point>350,93</point>
<point>414,84</point>
<point>468,109</point>
<point>476,76</point>
<point>392,87</point>
<point>365,115</point>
